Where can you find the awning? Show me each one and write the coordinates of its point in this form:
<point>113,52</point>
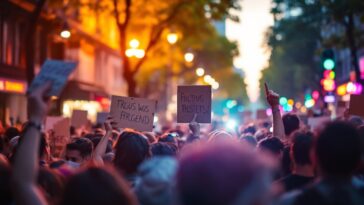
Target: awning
<point>76,90</point>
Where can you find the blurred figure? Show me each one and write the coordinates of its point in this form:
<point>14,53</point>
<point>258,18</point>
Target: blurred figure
<point>303,169</point>
<point>163,149</point>
<point>51,184</point>
<point>248,139</point>
<point>221,172</point>
<point>337,153</point>
<point>131,150</point>
<point>272,148</point>
<point>156,181</point>
<point>78,152</point>
<point>95,186</point>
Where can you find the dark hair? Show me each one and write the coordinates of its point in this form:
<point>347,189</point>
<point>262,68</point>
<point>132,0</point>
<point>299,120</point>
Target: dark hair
<point>95,186</point>
<point>131,149</point>
<point>291,123</point>
<point>96,141</point>
<point>338,149</point>
<point>216,173</point>
<point>169,137</point>
<point>249,139</point>
<point>52,184</point>
<point>2,143</point>
<point>163,149</point>
<point>250,129</point>
<point>272,144</point>
<point>301,147</point>
<point>83,145</point>
<point>10,133</point>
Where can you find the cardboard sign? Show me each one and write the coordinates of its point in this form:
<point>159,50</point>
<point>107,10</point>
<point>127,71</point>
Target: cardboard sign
<point>135,113</point>
<point>60,137</point>
<point>79,118</point>
<point>191,100</point>
<point>56,72</point>
<point>51,121</point>
<point>101,117</point>
<point>356,106</point>
<point>315,122</point>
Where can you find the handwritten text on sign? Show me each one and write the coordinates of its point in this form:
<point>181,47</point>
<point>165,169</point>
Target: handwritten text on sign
<point>193,100</point>
<point>135,113</point>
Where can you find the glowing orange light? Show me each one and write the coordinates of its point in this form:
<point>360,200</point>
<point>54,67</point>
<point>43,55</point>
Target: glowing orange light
<point>341,90</point>
<point>328,84</point>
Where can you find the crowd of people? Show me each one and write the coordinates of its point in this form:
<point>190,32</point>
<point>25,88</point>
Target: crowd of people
<point>290,165</point>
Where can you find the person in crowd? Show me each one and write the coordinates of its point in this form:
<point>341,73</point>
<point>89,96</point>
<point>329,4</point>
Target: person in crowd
<point>221,172</point>
<point>337,153</point>
<point>78,152</point>
<point>51,184</point>
<point>249,140</point>
<point>272,149</point>
<point>92,186</point>
<point>303,172</point>
<point>131,150</point>
<point>151,137</point>
<point>163,149</point>
<point>155,185</point>
<point>96,186</point>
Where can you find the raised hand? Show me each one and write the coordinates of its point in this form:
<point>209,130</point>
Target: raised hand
<point>38,103</point>
<point>272,97</point>
<point>194,126</point>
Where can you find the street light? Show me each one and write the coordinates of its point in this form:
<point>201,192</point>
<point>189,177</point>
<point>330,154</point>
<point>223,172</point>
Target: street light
<point>65,34</point>
<point>189,57</point>
<point>134,43</point>
<point>200,72</point>
<point>207,79</point>
<point>134,51</point>
<point>172,38</point>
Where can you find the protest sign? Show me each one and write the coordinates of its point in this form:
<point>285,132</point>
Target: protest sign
<point>79,118</point>
<point>60,137</point>
<point>356,105</point>
<point>135,113</point>
<point>51,121</point>
<point>56,72</point>
<point>101,117</point>
<point>191,100</point>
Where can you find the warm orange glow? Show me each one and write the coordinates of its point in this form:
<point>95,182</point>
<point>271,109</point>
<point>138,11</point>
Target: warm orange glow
<point>341,90</point>
<point>172,38</point>
<point>12,86</point>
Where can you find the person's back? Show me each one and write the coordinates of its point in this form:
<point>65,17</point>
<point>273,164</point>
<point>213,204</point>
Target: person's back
<point>303,170</point>
<point>337,153</point>
<point>221,173</point>
<point>96,186</point>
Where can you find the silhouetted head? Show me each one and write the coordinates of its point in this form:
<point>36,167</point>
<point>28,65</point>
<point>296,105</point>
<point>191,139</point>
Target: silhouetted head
<point>95,186</point>
<point>291,123</point>
<point>131,149</point>
<point>337,149</point>
<point>302,144</point>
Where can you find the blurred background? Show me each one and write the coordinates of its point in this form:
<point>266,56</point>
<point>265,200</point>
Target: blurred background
<point>309,51</point>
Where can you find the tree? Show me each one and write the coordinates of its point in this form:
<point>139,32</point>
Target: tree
<point>306,21</point>
<point>153,17</point>
<point>293,42</point>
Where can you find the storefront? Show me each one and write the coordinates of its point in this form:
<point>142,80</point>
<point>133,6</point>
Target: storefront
<point>84,96</point>
<point>13,106</point>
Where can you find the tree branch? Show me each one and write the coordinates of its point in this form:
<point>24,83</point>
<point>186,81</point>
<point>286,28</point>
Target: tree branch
<point>156,34</point>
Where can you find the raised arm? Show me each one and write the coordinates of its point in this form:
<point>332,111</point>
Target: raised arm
<point>25,167</point>
<point>101,147</point>
<point>273,101</point>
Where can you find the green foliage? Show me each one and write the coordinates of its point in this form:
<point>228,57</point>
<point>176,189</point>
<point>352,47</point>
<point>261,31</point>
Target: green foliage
<point>301,31</point>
